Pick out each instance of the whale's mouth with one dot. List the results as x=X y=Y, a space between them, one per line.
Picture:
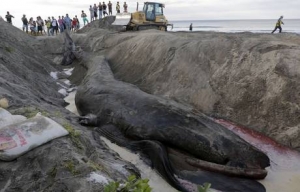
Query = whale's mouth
x=182 y=161
x=228 y=170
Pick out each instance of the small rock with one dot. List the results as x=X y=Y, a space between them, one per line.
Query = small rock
x=4 y=103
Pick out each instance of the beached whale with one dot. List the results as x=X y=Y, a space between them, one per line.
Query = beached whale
x=133 y=118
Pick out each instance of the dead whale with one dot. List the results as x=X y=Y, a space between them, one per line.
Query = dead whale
x=151 y=124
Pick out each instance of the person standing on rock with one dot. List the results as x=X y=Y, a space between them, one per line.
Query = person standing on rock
x=278 y=25
x=61 y=24
x=54 y=26
x=40 y=24
x=48 y=25
x=64 y=24
x=32 y=26
x=104 y=9
x=91 y=13
x=78 y=23
x=25 y=23
x=95 y=11
x=74 y=25
x=118 y=7
x=68 y=22
x=84 y=18
x=8 y=17
x=109 y=8
x=125 y=7
x=100 y=8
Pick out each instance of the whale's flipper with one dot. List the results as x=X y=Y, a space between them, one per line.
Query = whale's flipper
x=157 y=152
x=88 y=120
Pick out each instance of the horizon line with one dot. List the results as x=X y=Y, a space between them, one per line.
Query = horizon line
x=229 y=19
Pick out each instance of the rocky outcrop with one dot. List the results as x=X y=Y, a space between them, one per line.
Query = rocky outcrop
x=105 y=23
x=69 y=163
x=250 y=79
x=24 y=73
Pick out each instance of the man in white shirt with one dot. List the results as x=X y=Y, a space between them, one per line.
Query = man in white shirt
x=54 y=26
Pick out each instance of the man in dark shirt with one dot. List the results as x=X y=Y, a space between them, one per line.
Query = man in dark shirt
x=104 y=9
x=8 y=17
x=109 y=8
x=25 y=23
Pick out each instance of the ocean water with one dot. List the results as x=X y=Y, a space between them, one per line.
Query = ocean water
x=234 y=26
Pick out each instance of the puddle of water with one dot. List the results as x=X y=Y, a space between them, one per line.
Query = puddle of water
x=157 y=183
x=71 y=100
x=284 y=172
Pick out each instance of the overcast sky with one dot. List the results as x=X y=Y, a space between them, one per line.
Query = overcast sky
x=174 y=9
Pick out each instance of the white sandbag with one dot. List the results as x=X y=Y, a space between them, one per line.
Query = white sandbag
x=19 y=138
x=6 y=118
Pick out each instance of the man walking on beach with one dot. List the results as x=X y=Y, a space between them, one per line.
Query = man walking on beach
x=25 y=23
x=191 y=27
x=278 y=25
x=8 y=17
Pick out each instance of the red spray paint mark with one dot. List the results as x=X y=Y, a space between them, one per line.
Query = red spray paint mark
x=281 y=157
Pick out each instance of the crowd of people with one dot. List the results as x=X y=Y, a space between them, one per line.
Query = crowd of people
x=100 y=10
x=53 y=26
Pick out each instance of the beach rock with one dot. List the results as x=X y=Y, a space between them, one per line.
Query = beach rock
x=105 y=23
x=24 y=73
x=250 y=79
x=4 y=103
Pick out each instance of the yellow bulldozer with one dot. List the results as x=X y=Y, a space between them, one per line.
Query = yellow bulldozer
x=152 y=17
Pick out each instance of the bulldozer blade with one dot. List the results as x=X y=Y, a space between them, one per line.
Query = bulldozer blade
x=122 y=19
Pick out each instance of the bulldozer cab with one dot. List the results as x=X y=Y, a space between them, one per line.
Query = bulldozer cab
x=152 y=10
